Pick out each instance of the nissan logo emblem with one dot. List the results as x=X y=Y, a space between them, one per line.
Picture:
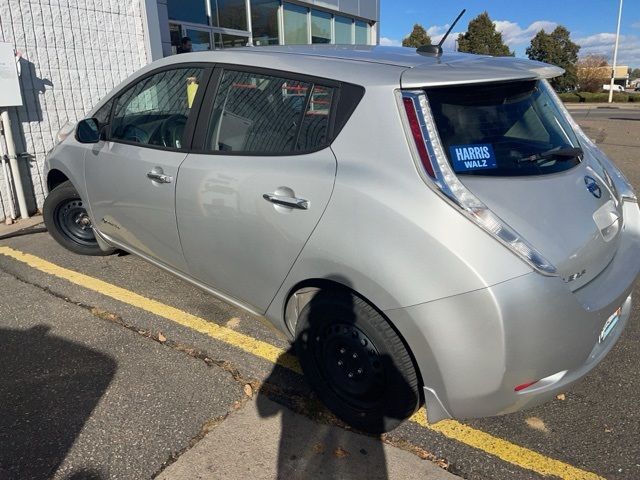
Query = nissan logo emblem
x=593 y=186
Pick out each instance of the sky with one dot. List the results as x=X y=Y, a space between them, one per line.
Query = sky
x=592 y=23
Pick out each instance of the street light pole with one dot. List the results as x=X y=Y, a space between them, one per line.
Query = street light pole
x=615 y=54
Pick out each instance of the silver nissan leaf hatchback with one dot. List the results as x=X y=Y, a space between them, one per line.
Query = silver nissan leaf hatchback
x=425 y=228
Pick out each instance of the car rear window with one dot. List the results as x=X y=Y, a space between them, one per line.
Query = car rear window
x=503 y=129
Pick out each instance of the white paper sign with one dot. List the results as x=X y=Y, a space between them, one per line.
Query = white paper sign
x=9 y=84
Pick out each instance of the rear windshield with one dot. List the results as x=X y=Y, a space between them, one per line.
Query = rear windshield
x=503 y=129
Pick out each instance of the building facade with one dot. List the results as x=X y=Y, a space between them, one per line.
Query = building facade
x=73 y=52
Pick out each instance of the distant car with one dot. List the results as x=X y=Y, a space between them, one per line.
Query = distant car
x=637 y=89
x=616 y=88
x=426 y=229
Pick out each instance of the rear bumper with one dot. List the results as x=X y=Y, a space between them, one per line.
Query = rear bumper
x=474 y=349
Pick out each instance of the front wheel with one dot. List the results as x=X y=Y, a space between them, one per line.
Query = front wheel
x=356 y=362
x=68 y=222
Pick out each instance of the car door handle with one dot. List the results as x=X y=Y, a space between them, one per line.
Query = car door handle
x=158 y=176
x=292 y=202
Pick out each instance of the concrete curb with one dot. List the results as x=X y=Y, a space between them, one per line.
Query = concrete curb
x=265 y=441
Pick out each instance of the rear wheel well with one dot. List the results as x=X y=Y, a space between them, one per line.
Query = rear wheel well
x=304 y=291
x=55 y=178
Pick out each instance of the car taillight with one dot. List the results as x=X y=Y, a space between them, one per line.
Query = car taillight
x=439 y=175
x=416 y=132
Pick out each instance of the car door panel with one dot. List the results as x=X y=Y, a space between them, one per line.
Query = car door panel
x=130 y=207
x=246 y=207
x=233 y=238
x=131 y=177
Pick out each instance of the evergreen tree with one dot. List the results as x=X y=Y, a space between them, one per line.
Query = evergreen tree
x=557 y=49
x=482 y=38
x=417 y=38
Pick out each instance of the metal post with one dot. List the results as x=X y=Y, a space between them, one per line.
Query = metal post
x=249 y=25
x=615 y=54
x=13 y=161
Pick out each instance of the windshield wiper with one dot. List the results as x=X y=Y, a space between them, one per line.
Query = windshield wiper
x=560 y=153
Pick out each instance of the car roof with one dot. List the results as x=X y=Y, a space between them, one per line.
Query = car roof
x=367 y=65
x=356 y=61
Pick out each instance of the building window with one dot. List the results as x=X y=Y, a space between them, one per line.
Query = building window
x=320 y=27
x=200 y=39
x=225 y=40
x=362 y=33
x=344 y=30
x=194 y=11
x=296 y=24
x=264 y=22
x=232 y=14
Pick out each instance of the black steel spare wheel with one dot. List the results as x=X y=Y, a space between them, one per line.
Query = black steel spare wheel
x=356 y=362
x=68 y=222
x=73 y=220
x=351 y=364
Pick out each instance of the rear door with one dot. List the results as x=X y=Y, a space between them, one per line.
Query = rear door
x=131 y=177
x=512 y=147
x=249 y=200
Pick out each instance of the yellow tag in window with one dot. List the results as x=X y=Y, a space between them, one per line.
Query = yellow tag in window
x=192 y=89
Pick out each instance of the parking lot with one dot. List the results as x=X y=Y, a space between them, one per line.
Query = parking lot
x=112 y=368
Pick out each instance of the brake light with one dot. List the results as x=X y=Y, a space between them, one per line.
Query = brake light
x=418 y=138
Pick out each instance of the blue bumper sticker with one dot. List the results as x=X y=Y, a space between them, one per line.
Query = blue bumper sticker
x=472 y=157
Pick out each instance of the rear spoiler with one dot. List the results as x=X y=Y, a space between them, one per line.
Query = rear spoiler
x=461 y=69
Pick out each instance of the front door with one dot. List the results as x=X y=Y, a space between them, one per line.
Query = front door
x=131 y=177
x=247 y=205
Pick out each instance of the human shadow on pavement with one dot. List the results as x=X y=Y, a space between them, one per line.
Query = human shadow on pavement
x=321 y=449
x=48 y=388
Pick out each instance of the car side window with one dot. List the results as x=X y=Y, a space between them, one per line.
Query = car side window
x=265 y=114
x=155 y=110
x=103 y=114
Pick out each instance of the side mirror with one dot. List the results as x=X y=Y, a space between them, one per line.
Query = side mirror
x=88 y=131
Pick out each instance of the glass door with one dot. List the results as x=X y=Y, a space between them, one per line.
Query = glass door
x=200 y=38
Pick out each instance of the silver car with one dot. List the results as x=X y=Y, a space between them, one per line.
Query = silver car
x=426 y=228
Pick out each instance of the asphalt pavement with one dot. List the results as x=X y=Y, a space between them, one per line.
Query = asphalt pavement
x=112 y=368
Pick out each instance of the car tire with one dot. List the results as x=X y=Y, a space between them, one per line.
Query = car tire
x=356 y=362
x=68 y=222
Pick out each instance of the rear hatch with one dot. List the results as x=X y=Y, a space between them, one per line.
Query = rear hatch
x=512 y=147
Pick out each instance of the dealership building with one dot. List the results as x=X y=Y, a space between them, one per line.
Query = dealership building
x=70 y=53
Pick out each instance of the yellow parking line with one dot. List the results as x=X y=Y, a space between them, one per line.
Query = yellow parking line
x=498 y=447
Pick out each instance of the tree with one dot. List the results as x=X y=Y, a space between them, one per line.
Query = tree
x=633 y=74
x=417 y=38
x=557 y=49
x=592 y=73
x=482 y=38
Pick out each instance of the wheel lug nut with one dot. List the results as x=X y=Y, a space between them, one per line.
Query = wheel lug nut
x=340 y=363
x=350 y=375
x=343 y=350
x=355 y=355
x=359 y=371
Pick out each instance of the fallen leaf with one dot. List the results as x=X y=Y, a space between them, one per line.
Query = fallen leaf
x=561 y=396
x=341 y=452
x=608 y=430
x=248 y=390
x=318 y=448
x=537 y=424
x=233 y=322
x=161 y=337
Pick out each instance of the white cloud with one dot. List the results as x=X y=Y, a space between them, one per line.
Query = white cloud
x=603 y=43
x=437 y=31
x=390 y=42
x=514 y=35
